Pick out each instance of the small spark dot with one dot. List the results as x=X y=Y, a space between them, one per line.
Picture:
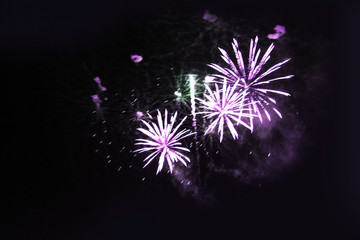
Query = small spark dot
x=119 y=168
x=108 y=156
x=177 y=93
x=105 y=131
x=130 y=166
x=142 y=179
x=104 y=122
x=97 y=150
x=94 y=135
x=269 y=154
x=101 y=142
x=109 y=143
x=105 y=98
x=250 y=152
x=217 y=152
x=109 y=161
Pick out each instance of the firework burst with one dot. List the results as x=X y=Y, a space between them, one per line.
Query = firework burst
x=226 y=106
x=249 y=79
x=164 y=141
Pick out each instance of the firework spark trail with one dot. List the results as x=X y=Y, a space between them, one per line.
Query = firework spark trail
x=100 y=87
x=227 y=106
x=192 y=95
x=248 y=79
x=164 y=141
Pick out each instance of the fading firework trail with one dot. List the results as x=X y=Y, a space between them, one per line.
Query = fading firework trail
x=249 y=79
x=164 y=141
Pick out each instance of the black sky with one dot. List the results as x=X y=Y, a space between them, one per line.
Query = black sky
x=52 y=191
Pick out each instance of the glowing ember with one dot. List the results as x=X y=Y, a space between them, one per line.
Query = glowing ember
x=280 y=30
x=209 y=17
x=136 y=58
x=249 y=78
x=98 y=81
x=164 y=141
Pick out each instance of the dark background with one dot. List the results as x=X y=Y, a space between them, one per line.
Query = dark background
x=54 y=189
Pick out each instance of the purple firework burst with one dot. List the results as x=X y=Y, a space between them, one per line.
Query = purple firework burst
x=250 y=81
x=164 y=141
x=226 y=106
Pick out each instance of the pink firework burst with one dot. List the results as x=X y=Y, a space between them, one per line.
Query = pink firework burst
x=226 y=106
x=164 y=141
x=250 y=80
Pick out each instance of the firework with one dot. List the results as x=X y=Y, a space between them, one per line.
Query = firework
x=226 y=106
x=249 y=79
x=164 y=141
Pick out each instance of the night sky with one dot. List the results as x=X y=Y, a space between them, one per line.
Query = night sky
x=57 y=186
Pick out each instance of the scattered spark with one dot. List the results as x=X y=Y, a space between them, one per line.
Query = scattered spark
x=96 y=100
x=177 y=93
x=136 y=58
x=209 y=17
x=139 y=114
x=280 y=30
x=164 y=141
x=250 y=80
x=98 y=81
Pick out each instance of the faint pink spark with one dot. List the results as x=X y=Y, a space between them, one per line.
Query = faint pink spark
x=96 y=100
x=136 y=58
x=280 y=30
x=98 y=81
x=226 y=106
x=250 y=79
x=139 y=114
x=209 y=17
x=164 y=141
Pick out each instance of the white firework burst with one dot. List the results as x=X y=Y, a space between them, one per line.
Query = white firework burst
x=226 y=106
x=164 y=141
x=249 y=79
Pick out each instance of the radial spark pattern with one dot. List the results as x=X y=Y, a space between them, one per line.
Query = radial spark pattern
x=250 y=80
x=226 y=106
x=164 y=141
